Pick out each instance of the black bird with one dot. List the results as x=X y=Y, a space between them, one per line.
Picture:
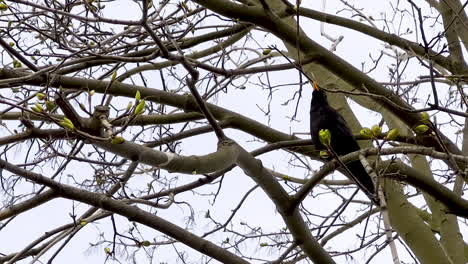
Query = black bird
x=323 y=116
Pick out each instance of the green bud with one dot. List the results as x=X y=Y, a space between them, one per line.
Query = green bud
x=424 y=116
x=40 y=96
x=266 y=51
x=263 y=244
x=65 y=119
x=146 y=243
x=92 y=92
x=114 y=76
x=325 y=137
x=376 y=130
x=366 y=133
x=3 y=7
x=324 y=154
x=17 y=64
x=83 y=223
x=137 y=96
x=392 y=134
x=140 y=108
x=39 y=106
x=421 y=129
x=35 y=109
x=49 y=105
x=67 y=123
x=107 y=250
x=117 y=140
x=12 y=44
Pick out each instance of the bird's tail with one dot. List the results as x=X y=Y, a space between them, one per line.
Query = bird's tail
x=363 y=180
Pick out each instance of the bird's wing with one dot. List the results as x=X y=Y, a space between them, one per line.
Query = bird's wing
x=342 y=137
x=341 y=125
x=328 y=118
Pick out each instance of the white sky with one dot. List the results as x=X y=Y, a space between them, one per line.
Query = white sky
x=259 y=210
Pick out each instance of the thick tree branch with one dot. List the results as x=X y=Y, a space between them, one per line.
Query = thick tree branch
x=332 y=62
x=293 y=219
x=221 y=159
x=456 y=204
x=31 y=203
x=391 y=39
x=131 y=212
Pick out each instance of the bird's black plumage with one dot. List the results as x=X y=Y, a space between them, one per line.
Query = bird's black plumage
x=323 y=116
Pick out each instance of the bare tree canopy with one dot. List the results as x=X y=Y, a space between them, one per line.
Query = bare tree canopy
x=178 y=131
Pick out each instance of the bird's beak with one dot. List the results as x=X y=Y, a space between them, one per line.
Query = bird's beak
x=315 y=86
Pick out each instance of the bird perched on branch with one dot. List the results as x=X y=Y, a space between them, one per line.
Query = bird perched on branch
x=322 y=117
